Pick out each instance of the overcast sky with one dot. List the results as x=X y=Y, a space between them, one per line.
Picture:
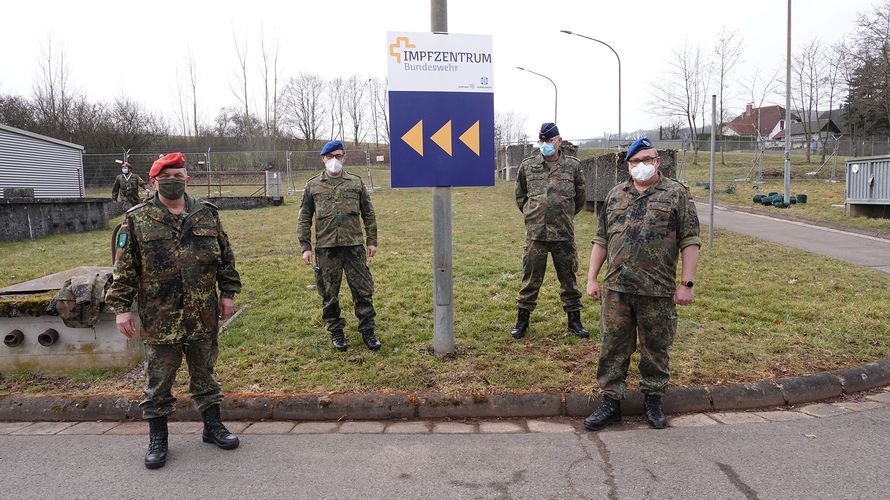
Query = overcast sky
x=134 y=48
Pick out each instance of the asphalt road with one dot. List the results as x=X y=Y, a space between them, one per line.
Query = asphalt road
x=841 y=456
x=855 y=248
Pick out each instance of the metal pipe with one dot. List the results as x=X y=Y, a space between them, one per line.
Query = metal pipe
x=788 y=112
x=567 y=32
x=14 y=338
x=48 y=337
x=555 y=91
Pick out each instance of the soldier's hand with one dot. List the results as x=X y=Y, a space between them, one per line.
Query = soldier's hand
x=372 y=250
x=593 y=289
x=226 y=308
x=307 y=257
x=126 y=323
x=683 y=296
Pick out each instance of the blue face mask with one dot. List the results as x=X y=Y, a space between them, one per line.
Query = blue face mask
x=547 y=149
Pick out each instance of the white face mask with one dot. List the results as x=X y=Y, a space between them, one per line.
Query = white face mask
x=642 y=172
x=125 y=171
x=333 y=166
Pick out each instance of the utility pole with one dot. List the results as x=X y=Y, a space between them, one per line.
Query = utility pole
x=788 y=112
x=711 y=180
x=443 y=293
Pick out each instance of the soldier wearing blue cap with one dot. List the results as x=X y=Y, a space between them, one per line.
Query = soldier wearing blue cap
x=341 y=207
x=645 y=225
x=549 y=193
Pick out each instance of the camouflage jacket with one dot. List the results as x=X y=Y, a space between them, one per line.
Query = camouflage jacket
x=643 y=234
x=549 y=196
x=128 y=189
x=172 y=266
x=336 y=204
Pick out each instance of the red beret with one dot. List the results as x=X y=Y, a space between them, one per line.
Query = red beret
x=175 y=160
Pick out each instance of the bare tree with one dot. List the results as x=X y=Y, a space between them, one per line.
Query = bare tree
x=833 y=83
x=727 y=52
x=193 y=84
x=53 y=100
x=354 y=102
x=241 y=94
x=806 y=82
x=270 y=90
x=868 y=71
x=182 y=115
x=509 y=128
x=381 y=108
x=684 y=90
x=336 y=106
x=302 y=106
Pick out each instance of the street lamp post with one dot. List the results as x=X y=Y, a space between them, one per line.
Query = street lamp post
x=567 y=32
x=555 y=91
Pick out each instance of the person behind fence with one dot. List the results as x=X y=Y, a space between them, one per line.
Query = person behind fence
x=173 y=255
x=549 y=193
x=128 y=186
x=645 y=224
x=341 y=206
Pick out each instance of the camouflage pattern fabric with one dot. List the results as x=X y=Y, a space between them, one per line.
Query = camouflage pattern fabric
x=172 y=266
x=625 y=316
x=550 y=194
x=128 y=189
x=332 y=264
x=161 y=364
x=336 y=203
x=643 y=234
x=79 y=302
x=534 y=264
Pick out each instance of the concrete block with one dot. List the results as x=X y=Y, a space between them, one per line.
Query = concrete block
x=61 y=408
x=815 y=387
x=695 y=420
x=489 y=406
x=881 y=397
x=581 y=405
x=549 y=426
x=277 y=427
x=745 y=396
x=129 y=429
x=823 y=410
x=342 y=406
x=185 y=427
x=453 y=428
x=859 y=405
x=783 y=416
x=10 y=427
x=737 y=418
x=42 y=429
x=500 y=428
x=416 y=427
x=236 y=427
x=90 y=428
x=686 y=400
x=249 y=408
x=864 y=377
x=315 y=428
x=362 y=427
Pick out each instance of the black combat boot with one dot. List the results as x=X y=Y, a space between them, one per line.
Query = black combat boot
x=608 y=413
x=157 y=443
x=575 y=326
x=521 y=327
x=339 y=340
x=215 y=432
x=371 y=340
x=654 y=415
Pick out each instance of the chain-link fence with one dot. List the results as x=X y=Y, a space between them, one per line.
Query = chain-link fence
x=100 y=169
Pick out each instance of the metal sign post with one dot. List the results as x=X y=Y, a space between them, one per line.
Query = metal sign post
x=442 y=123
x=711 y=181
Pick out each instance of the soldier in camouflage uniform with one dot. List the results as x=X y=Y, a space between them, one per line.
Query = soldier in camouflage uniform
x=172 y=256
x=645 y=224
x=549 y=193
x=127 y=186
x=337 y=199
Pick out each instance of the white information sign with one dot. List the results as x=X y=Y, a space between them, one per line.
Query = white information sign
x=430 y=62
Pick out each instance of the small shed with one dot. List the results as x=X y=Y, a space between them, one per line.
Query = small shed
x=51 y=167
x=867 y=192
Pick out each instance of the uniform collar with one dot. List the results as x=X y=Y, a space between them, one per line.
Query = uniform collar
x=326 y=178
x=539 y=158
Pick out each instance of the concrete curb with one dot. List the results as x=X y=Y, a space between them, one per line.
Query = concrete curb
x=406 y=405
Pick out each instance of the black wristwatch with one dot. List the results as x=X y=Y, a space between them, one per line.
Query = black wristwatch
x=687 y=284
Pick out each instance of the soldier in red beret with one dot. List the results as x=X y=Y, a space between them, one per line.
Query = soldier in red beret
x=175 y=261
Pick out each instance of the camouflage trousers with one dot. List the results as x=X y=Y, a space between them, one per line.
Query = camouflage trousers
x=624 y=317
x=332 y=263
x=534 y=264
x=161 y=364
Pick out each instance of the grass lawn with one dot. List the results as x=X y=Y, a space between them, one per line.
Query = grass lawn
x=762 y=310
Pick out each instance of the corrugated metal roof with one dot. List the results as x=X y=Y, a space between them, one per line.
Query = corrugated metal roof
x=38 y=136
x=53 y=168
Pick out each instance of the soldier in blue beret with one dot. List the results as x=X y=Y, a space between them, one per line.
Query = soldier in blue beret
x=646 y=223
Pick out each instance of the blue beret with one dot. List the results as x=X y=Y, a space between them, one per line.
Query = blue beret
x=638 y=145
x=548 y=131
x=332 y=146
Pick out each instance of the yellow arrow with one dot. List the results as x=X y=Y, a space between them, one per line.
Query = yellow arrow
x=414 y=137
x=442 y=137
x=471 y=137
